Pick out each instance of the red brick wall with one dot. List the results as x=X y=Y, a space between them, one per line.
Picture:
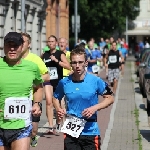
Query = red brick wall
x=63 y=23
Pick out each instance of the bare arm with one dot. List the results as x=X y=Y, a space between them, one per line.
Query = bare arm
x=56 y=104
x=108 y=100
x=92 y=61
x=64 y=62
x=60 y=112
x=122 y=59
x=46 y=77
x=99 y=59
x=38 y=93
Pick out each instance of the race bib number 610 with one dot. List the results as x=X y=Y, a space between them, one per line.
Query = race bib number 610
x=73 y=126
x=17 y=108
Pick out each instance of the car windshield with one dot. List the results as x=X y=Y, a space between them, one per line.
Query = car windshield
x=149 y=60
x=144 y=53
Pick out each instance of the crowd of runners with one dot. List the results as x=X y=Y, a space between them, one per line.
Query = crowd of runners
x=71 y=83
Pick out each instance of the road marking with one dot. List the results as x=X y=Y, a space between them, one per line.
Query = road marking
x=111 y=121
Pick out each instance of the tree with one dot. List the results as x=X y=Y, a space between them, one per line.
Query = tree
x=103 y=17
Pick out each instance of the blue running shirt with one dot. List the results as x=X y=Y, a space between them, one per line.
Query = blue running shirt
x=94 y=55
x=123 y=51
x=81 y=95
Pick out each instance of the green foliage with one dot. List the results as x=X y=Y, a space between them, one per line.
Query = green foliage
x=102 y=17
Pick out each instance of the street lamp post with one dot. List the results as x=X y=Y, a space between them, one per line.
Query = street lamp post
x=22 y=15
x=75 y=20
x=126 y=29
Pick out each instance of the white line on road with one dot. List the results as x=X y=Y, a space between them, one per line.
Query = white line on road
x=111 y=121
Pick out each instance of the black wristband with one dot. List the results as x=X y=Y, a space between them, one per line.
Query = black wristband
x=39 y=103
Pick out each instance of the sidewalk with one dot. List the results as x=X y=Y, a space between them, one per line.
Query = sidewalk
x=122 y=130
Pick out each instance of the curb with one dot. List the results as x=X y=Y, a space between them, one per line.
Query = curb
x=144 y=128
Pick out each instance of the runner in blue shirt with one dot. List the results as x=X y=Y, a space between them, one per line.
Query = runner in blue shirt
x=81 y=90
x=102 y=44
x=124 y=52
x=92 y=61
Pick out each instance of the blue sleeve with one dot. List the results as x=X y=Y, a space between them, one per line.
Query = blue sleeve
x=59 y=92
x=101 y=86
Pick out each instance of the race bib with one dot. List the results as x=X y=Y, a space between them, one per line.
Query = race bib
x=17 y=108
x=95 y=68
x=112 y=59
x=73 y=126
x=53 y=73
x=85 y=68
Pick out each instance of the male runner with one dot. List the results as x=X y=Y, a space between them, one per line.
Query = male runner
x=62 y=46
x=80 y=129
x=55 y=61
x=16 y=80
x=113 y=66
x=125 y=55
x=95 y=56
x=27 y=55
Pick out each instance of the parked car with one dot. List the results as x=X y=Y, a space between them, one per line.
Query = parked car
x=143 y=66
x=141 y=58
x=147 y=84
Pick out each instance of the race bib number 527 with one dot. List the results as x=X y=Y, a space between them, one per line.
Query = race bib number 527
x=73 y=126
x=17 y=108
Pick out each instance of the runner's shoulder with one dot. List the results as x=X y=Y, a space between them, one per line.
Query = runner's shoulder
x=33 y=57
x=29 y=64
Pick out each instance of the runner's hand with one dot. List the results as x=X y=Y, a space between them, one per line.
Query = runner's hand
x=60 y=113
x=71 y=72
x=36 y=111
x=88 y=112
x=53 y=58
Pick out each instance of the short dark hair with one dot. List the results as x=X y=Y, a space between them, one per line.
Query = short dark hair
x=26 y=35
x=53 y=36
x=78 y=50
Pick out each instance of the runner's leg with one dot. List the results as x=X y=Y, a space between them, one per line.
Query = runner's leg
x=49 y=104
x=21 y=144
x=122 y=69
x=22 y=141
x=115 y=83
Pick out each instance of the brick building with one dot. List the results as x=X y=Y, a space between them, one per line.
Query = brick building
x=57 y=18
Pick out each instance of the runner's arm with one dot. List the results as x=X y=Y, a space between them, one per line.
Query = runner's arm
x=106 y=58
x=107 y=100
x=38 y=93
x=46 y=77
x=92 y=61
x=38 y=86
x=64 y=62
x=122 y=59
x=99 y=56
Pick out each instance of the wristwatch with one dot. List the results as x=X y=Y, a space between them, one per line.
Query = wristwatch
x=40 y=104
